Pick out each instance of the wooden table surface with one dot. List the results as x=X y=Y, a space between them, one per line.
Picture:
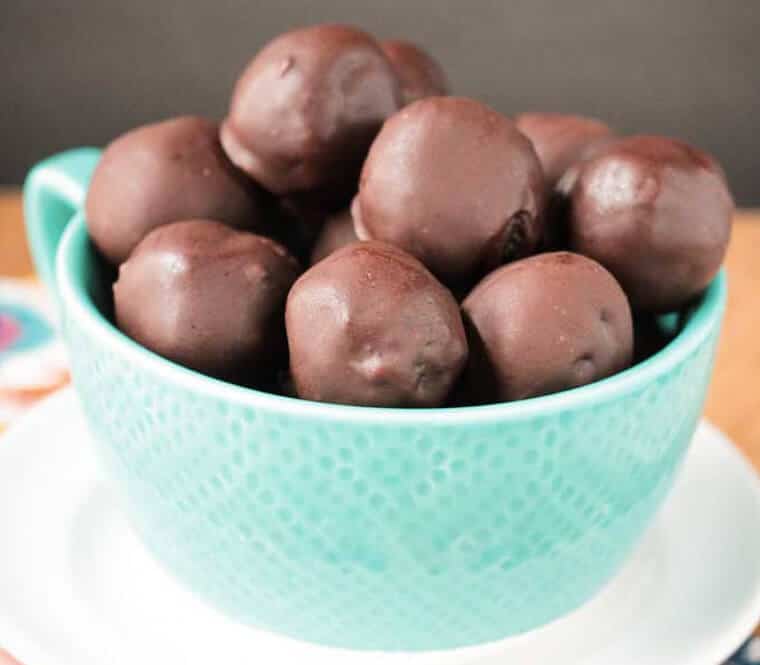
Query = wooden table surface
x=734 y=400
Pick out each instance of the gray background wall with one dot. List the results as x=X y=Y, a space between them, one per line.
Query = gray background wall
x=80 y=71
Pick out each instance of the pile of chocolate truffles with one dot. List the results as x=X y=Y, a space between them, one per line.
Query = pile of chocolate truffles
x=351 y=233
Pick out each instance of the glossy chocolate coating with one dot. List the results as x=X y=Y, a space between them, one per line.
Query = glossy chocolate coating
x=337 y=232
x=369 y=325
x=306 y=109
x=544 y=324
x=657 y=214
x=453 y=182
x=560 y=140
x=418 y=72
x=163 y=173
x=556 y=221
x=208 y=297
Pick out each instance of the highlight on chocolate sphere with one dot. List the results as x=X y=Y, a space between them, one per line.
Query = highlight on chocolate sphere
x=657 y=214
x=370 y=325
x=208 y=297
x=161 y=173
x=543 y=324
x=306 y=109
x=455 y=183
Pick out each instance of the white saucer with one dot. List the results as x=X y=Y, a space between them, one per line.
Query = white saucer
x=77 y=587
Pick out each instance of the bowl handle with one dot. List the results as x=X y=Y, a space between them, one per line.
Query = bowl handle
x=54 y=191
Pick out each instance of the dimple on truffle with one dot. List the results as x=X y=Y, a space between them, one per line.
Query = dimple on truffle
x=369 y=325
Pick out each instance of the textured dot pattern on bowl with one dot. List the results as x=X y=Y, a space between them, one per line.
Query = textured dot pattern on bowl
x=382 y=535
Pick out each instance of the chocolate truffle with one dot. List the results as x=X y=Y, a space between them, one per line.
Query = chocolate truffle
x=656 y=213
x=369 y=325
x=418 y=72
x=208 y=297
x=544 y=324
x=556 y=224
x=337 y=232
x=306 y=109
x=455 y=183
x=163 y=173
x=560 y=140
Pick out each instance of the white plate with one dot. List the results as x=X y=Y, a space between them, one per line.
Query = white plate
x=77 y=587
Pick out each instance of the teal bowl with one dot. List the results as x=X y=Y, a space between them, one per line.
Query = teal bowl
x=361 y=527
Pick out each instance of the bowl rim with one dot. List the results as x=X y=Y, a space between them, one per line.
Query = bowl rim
x=75 y=246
